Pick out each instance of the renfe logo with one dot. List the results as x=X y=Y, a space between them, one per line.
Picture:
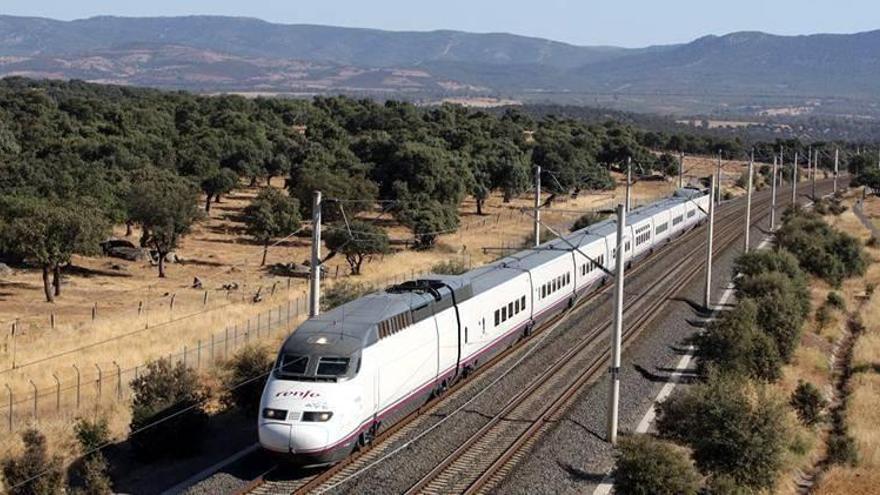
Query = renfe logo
x=298 y=394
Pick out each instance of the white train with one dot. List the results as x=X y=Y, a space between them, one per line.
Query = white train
x=345 y=375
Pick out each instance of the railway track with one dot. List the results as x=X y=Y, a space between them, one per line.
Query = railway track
x=497 y=446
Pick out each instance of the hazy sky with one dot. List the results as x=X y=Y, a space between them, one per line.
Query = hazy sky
x=586 y=22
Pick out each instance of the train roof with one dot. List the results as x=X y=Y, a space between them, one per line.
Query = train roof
x=358 y=323
x=363 y=321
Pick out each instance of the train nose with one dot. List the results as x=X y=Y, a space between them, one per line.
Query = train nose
x=305 y=438
x=275 y=436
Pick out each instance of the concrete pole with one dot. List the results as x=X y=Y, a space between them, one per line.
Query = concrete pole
x=809 y=161
x=707 y=296
x=794 y=180
x=836 y=167
x=773 y=195
x=315 y=288
x=749 y=201
x=815 y=171
x=537 y=206
x=629 y=181
x=617 y=331
x=718 y=200
x=681 y=170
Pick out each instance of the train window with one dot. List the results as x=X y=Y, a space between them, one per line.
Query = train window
x=516 y=307
x=510 y=309
x=522 y=302
x=692 y=213
x=332 y=366
x=504 y=314
x=677 y=220
x=497 y=317
x=661 y=228
x=465 y=335
x=627 y=245
x=291 y=365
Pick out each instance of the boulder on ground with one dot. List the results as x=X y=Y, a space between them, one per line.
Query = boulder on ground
x=109 y=244
x=5 y=271
x=127 y=253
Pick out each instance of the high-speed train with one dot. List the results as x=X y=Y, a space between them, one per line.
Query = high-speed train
x=343 y=376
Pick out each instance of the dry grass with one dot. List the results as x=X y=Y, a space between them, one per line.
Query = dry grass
x=863 y=407
x=812 y=363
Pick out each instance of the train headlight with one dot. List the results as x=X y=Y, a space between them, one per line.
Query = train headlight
x=315 y=416
x=278 y=414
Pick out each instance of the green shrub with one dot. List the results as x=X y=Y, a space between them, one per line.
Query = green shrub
x=723 y=484
x=836 y=301
x=735 y=343
x=733 y=429
x=92 y=435
x=244 y=376
x=836 y=207
x=166 y=413
x=455 y=266
x=823 y=316
x=88 y=475
x=586 y=220
x=646 y=465
x=842 y=450
x=34 y=472
x=820 y=249
x=91 y=476
x=780 y=309
x=342 y=292
x=808 y=403
x=762 y=261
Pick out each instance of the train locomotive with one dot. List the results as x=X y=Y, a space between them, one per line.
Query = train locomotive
x=345 y=375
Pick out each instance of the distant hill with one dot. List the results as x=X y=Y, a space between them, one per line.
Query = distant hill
x=739 y=73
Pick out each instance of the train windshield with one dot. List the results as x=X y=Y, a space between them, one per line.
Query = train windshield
x=290 y=366
x=332 y=367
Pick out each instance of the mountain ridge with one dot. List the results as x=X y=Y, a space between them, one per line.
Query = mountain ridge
x=741 y=72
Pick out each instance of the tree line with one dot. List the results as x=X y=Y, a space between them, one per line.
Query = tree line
x=79 y=158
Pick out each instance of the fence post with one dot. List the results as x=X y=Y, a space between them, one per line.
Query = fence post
x=57 y=392
x=75 y=367
x=9 y=390
x=98 y=383
x=36 y=394
x=140 y=307
x=205 y=300
x=94 y=311
x=118 y=381
x=52 y=320
x=171 y=304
